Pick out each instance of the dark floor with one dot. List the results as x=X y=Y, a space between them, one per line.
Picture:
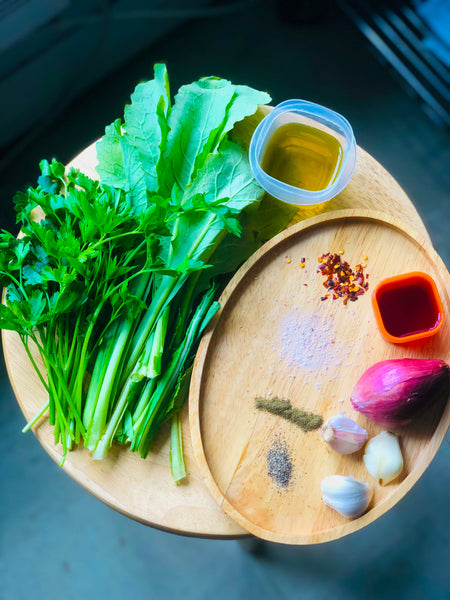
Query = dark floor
x=57 y=541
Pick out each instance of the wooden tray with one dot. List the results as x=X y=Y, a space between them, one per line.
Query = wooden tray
x=144 y=489
x=275 y=336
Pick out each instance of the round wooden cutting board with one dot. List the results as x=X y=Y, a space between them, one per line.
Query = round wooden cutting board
x=144 y=489
x=275 y=337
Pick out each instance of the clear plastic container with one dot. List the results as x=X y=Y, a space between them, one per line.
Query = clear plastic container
x=314 y=115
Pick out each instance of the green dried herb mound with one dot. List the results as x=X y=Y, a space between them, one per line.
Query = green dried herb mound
x=117 y=281
x=307 y=421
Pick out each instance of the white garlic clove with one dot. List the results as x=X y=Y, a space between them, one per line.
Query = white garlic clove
x=343 y=434
x=383 y=457
x=347 y=495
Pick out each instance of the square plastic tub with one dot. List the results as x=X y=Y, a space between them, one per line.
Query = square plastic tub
x=408 y=307
x=317 y=117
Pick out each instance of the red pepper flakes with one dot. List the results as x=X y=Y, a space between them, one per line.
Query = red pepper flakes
x=341 y=280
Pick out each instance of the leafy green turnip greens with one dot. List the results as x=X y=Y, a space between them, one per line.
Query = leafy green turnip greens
x=119 y=280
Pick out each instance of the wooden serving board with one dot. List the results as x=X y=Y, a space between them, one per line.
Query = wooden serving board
x=275 y=337
x=143 y=489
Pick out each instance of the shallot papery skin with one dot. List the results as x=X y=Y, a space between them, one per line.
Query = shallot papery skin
x=393 y=392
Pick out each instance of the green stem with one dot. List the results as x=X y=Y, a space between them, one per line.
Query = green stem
x=165 y=292
x=105 y=442
x=169 y=379
x=56 y=431
x=139 y=411
x=177 y=465
x=107 y=370
x=60 y=415
x=79 y=367
x=55 y=370
x=73 y=345
x=99 y=417
x=33 y=362
x=149 y=364
x=100 y=365
x=36 y=417
x=186 y=305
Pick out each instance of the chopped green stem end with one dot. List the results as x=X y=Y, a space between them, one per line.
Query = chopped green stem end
x=36 y=417
x=177 y=464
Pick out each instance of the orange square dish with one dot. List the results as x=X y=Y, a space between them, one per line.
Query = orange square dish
x=408 y=307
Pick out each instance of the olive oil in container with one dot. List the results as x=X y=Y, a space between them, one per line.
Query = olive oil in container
x=302 y=153
x=303 y=156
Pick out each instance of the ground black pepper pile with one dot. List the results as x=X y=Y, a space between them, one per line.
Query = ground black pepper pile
x=279 y=463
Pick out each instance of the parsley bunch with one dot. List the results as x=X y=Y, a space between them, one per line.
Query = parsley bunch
x=76 y=269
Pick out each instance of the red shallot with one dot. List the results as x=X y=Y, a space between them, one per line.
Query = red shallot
x=393 y=392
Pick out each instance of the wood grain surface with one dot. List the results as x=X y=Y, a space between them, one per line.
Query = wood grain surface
x=143 y=489
x=275 y=337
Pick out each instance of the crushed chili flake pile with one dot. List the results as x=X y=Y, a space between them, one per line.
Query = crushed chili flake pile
x=341 y=280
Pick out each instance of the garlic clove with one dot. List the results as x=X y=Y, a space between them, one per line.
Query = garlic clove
x=346 y=494
x=343 y=434
x=394 y=392
x=383 y=457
